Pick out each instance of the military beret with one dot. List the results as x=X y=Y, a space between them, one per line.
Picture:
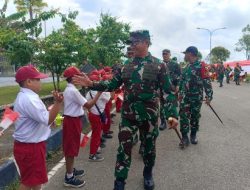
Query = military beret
x=138 y=35
x=166 y=51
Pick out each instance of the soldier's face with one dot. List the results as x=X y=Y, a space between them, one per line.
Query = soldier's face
x=187 y=57
x=139 y=46
x=166 y=56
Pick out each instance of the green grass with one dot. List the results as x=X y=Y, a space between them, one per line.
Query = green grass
x=13 y=186
x=8 y=94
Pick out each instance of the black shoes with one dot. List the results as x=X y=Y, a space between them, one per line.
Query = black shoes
x=148 y=178
x=185 y=141
x=193 y=138
x=163 y=126
x=73 y=182
x=119 y=185
x=107 y=136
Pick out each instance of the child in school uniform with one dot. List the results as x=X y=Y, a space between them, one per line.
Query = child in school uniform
x=106 y=128
x=95 y=120
x=32 y=128
x=72 y=126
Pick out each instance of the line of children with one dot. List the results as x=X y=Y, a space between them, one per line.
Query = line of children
x=32 y=128
x=97 y=124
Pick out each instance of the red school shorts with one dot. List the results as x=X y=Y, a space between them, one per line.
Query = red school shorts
x=72 y=128
x=31 y=160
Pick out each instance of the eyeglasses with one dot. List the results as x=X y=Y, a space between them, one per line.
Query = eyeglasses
x=165 y=53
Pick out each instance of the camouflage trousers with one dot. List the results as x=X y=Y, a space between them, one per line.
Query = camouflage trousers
x=190 y=114
x=148 y=130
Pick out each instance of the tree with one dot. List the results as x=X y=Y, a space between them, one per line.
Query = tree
x=110 y=37
x=219 y=54
x=16 y=42
x=244 y=42
x=61 y=48
x=30 y=6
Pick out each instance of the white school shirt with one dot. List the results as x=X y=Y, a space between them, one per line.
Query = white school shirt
x=101 y=102
x=73 y=101
x=32 y=125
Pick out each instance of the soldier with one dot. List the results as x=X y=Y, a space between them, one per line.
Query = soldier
x=227 y=73
x=143 y=78
x=195 y=77
x=130 y=55
x=237 y=71
x=175 y=73
x=221 y=72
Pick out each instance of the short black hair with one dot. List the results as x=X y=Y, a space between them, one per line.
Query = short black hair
x=69 y=80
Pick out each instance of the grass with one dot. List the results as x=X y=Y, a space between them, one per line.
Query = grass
x=8 y=94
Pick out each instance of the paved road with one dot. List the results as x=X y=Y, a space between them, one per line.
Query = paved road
x=221 y=160
x=10 y=81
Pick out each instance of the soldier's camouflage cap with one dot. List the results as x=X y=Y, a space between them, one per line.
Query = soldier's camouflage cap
x=138 y=35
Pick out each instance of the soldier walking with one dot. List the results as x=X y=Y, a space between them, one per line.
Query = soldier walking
x=237 y=71
x=227 y=73
x=175 y=73
x=143 y=78
x=195 y=78
x=221 y=72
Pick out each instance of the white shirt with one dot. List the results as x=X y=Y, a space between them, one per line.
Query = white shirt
x=101 y=102
x=32 y=125
x=73 y=101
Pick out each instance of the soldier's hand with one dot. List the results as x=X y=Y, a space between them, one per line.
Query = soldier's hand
x=82 y=80
x=172 y=123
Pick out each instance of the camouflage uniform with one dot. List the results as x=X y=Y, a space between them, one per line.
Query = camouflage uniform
x=237 y=71
x=144 y=80
x=220 y=71
x=175 y=73
x=227 y=73
x=194 y=78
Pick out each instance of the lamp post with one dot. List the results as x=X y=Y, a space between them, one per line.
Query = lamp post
x=210 y=35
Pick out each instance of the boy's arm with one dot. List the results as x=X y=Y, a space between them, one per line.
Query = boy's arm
x=92 y=102
x=56 y=107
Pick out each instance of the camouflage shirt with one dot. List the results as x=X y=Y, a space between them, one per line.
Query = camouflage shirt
x=193 y=80
x=174 y=71
x=145 y=81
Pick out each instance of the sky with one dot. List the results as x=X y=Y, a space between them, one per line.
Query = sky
x=172 y=23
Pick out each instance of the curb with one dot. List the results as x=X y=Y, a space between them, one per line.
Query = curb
x=8 y=170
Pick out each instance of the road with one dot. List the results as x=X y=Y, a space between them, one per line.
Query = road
x=221 y=160
x=10 y=81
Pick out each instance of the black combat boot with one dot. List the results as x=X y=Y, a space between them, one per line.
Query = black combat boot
x=185 y=140
x=163 y=124
x=148 y=178
x=119 y=185
x=193 y=138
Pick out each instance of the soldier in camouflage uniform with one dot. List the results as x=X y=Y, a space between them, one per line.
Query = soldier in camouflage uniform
x=175 y=73
x=144 y=79
x=237 y=71
x=195 y=78
x=221 y=72
x=227 y=73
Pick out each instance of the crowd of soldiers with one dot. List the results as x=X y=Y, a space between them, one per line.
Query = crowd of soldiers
x=218 y=73
x=153 y=88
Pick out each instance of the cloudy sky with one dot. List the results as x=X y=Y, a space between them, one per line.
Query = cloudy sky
x=172 y=23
